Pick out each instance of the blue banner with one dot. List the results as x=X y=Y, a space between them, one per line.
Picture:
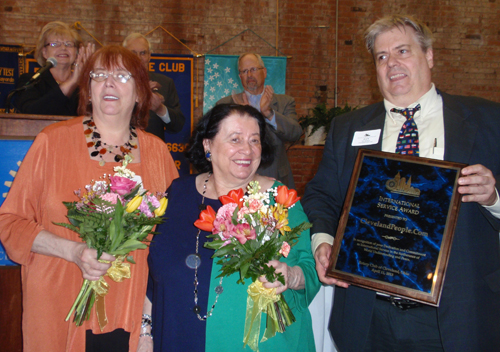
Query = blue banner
x=14 y=152
x=11 y=67
x=180 y=69
x=222 y=78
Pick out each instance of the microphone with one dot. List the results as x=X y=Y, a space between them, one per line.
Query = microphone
x=51 y=62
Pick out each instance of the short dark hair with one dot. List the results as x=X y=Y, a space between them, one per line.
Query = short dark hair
x=208 y=127
x=109 y=56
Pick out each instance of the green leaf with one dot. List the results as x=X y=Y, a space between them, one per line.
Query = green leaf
x=123 y=250
x=116 y=230
x=224 y=250
x=214 y=244
x=243 y=270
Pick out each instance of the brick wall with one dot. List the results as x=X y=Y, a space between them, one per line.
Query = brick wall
x=465 y=52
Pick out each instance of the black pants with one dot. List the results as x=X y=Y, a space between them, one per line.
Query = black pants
x=395 y=330
x=116 y=341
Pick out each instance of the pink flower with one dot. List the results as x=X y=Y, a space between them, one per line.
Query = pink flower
x=285 y=249
x=144 y=208
x=242 y=212
x=244 y=232
x=121 y=185
x=221 y=227
x=255 y=205
x=226 y=211
x=225 y=229
x=155 y=203
x=110 y=197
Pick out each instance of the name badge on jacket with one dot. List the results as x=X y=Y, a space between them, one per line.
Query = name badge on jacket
x=361 y=138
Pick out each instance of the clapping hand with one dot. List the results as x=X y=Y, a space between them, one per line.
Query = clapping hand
x=157 y=99
x=265 y=102
x=84 y=53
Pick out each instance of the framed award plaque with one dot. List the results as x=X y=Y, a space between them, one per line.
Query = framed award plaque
x=397 y=224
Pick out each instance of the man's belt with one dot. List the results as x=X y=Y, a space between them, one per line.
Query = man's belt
x=401 y=303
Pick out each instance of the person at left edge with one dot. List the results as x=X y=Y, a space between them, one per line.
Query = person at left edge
x=56 y=92
x=60 y=161
x=227 y=147
x=165 y=113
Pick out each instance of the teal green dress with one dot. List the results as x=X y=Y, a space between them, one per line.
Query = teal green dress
x=225 y=329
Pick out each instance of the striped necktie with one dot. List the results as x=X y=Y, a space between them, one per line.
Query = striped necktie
x=408 y=136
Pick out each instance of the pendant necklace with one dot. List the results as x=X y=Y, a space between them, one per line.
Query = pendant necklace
x=193 y=261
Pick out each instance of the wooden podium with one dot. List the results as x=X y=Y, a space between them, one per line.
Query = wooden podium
x=28 y=126
x=16 y=126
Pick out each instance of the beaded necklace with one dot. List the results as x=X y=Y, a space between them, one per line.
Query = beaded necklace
x=98 y=149
x=196 y=258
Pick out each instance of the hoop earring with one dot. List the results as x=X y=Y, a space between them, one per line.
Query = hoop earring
x=208 y=155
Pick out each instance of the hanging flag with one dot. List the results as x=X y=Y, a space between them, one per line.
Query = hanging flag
x=11 y=67
x=222 y=78
x=180 y=69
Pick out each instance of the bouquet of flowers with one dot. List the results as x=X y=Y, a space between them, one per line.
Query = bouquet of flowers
x=248 y=232
x=113 y=216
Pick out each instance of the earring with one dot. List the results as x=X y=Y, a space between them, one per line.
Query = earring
x=208 y=155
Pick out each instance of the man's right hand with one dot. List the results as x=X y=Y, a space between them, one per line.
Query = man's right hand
x=157 y=99
x=322 y=257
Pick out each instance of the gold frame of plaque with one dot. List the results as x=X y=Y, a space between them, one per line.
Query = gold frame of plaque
x=397 y=223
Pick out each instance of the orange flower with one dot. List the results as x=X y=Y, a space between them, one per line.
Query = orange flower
x=234 y=196
x=206 y=220
x=287 y=197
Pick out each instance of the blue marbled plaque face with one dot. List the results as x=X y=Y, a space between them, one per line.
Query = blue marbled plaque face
x=396 y=222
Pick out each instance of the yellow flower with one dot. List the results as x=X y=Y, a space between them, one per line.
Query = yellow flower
x=281 y=215
x=133 y=204
x=163 y=206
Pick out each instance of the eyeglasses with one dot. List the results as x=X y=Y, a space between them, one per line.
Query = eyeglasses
x=58 y=44
x=120 y=76
x=251 y=70
x=141 y=53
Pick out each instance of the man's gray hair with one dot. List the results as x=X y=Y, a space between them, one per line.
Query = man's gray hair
x=422 y=32
x=133 y=36
x=259 y=58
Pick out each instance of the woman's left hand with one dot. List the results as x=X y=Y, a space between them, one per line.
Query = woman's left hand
x=294 y=277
